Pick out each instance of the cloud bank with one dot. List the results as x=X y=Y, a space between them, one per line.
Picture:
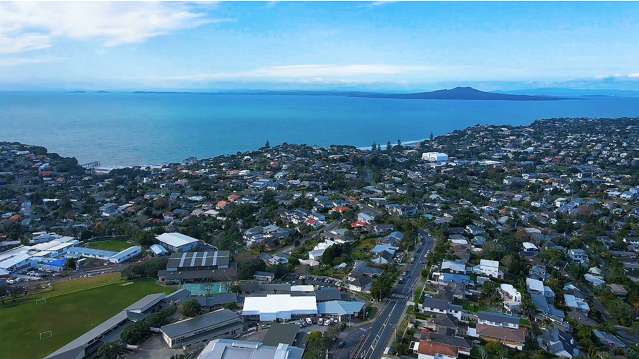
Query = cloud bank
x=306 y=72
x=27 y=26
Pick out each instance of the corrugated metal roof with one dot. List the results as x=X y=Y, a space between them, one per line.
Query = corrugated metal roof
x=211 y=320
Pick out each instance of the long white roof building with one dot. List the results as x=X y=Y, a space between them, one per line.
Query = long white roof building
x=279 y=306
x=176 y=241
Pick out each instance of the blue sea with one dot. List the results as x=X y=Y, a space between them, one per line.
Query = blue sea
x=121 y=129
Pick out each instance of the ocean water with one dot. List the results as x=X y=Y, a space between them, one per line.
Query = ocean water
x=120 y=129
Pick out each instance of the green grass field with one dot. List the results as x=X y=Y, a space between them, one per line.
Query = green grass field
x=110 y=245
x=72 y=308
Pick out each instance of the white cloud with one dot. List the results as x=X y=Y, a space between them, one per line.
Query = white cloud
x=16 y=61
x=382 y=2
x=634 y=76
x=25 y=42
x=26 y=26
x=310 y=72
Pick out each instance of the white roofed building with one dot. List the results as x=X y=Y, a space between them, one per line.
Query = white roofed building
x=229 y=348
x=437 y=157
x=178 y=242
x=535 y=285
x=530 y=248
x=510 y=295
x=272 y=307
x=158 y=250
x=488 y=268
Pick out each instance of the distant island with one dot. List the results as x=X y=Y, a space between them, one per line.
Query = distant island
x=462 y=93
x=457 y=93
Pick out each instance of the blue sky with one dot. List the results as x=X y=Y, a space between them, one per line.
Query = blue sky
x=394 y=45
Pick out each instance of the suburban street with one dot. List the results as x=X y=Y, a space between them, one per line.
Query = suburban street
x=378 y=336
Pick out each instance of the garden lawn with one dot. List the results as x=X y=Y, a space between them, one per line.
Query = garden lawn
x=110 y=245
x=67 y=315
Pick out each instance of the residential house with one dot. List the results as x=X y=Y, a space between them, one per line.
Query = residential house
x=488 y=268
x=558 y=343
x=511 y=297
x=501 y=328
x=453 y=267
x=576 y=303
x=578 y=255
x=441 y=306
x=608 y=339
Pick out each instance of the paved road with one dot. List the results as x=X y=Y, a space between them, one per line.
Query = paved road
x=378 y=337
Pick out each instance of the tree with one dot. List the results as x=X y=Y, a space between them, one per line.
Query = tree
x=494 y=348
x=71 y=264
x=489 y=294
x=144 y=238
x=148 y=269
x=383 y=284
x=316 y=346
x=190 y=308
x=110 y=351
x=479 y=352
x=337 y=253
x=135 y=333
x=246 y=269
x=633 y=352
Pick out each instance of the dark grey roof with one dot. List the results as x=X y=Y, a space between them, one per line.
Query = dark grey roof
x=281 y=334
x=198 y=259
x=147 y=302
x=453 y=340
x=548 y=309
x=258 y=287
x=326 y=294
x=446 y=321
x=498 y=317
x=440 y=304
x=608 y=339
x=265 y=274
x=217 y=299
x=217 y=319
x=556 y=341
x=360 y=267
x=178 y=295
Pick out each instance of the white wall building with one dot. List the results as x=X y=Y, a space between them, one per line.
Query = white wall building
x=437 y=157
x=126 y=254
x=510 y=295
x=178 y=242
x=272 y=307
x=488 y=268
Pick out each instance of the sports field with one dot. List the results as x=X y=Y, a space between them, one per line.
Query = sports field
x=110 y=245
x=72 y=308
